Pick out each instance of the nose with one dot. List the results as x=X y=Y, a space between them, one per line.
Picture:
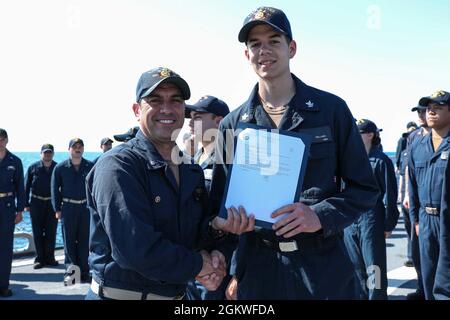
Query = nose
x=264 y=48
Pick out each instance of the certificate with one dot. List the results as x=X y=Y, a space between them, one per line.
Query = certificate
x=267 y=171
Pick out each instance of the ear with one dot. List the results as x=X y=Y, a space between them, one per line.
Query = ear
x=292 y=49
x=247 y=55
x=217 y=120
x=137 y=110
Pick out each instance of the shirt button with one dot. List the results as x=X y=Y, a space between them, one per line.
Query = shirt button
x=157 y=199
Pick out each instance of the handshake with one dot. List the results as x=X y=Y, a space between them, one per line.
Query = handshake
x=213 y=271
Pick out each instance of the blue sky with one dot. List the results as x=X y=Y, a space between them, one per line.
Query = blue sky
x=69 y=67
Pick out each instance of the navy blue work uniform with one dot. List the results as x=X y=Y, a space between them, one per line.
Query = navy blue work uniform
x=410 y=228
x=321 y=267
x=441 y=289
x=69 y=196
x=405 y=212
x=12 y=200
x=196 y=291
x=146 y=229
x=43 y=220
x=365 y=239
x=426 y=175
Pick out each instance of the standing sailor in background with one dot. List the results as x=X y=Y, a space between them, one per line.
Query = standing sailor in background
x=409 y=226
x=69 y=202
x=38 y=203
x=426 y=164
x=365 y=238
x=105 y=145
x=441 y=288
x=205 y=116
x=12 y=201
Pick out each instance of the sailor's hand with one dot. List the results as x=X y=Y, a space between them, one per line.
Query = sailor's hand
x=213 y=270
x=231 y=291
x=18 y=218
x=27 y=209
x=406 y=202
x=237 y=222
x=300 y=218
x=58 y=215
x=387 y=234
x=416 y=228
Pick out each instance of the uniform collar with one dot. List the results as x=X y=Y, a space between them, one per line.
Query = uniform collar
x=8 y=156
x=302 y=101
x=208 y=161
x=155 y=160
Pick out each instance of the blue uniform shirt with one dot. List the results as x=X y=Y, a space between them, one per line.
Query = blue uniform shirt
x=337 y=154
x=426 y=174
x=384 y=174
x=11 y=179
x=38 y=180
x=145 y=229
x=69 y=183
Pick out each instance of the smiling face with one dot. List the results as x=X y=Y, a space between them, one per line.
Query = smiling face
x=269 y=52
x=161 y=113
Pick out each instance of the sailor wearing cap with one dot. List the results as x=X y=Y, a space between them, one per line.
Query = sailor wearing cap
x=304 y=256
x=12 y=201
x=127 y=136
x=441 y=288
x=404 y=178
x=365 y=238
x=105 y=145
x=68 y=194
x=427 y=160
x=38 y=203
x=205 y=116
x=150 y=224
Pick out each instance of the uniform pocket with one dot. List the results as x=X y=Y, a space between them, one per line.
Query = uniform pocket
x=420 y=172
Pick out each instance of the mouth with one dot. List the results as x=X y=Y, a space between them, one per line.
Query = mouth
x=266 y=63
x=165 y=121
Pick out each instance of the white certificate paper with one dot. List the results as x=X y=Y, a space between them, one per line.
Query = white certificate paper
x=267 y=171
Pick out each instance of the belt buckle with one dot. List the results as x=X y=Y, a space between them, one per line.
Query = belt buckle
x=431 y=210
x=288 y=246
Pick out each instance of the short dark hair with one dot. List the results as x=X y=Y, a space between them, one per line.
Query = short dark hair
x=376 y=140
x=3 y=133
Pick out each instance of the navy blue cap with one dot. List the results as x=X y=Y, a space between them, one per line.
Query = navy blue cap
x=418 y=107
x=47 y=147
x=105 y=141
x=367 y=126
x=208 y=104
x=124 y=137
x=266 y=15
x=150 y=80
x=440 y=97
x=75 y=141
x=3 y=133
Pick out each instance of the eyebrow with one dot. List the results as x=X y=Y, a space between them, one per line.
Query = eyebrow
x=177 y=95
x=276 y=35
